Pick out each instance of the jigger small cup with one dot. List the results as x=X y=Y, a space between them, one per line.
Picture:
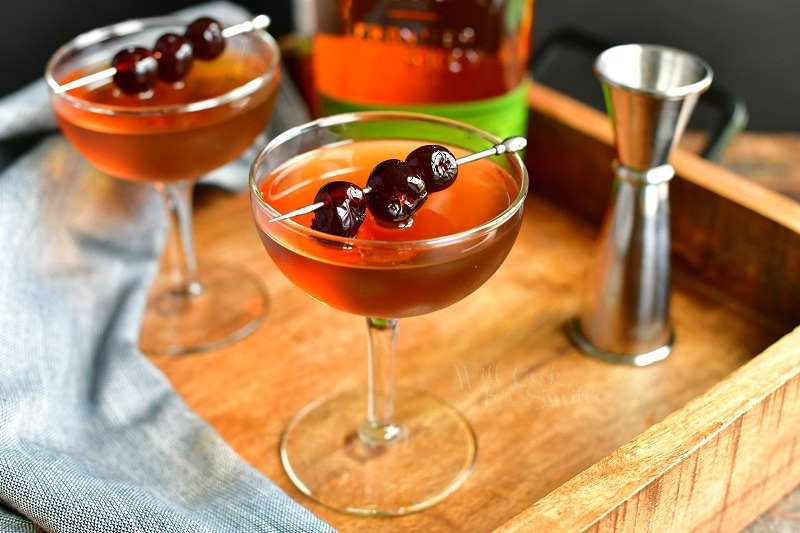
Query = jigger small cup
x=650 y=93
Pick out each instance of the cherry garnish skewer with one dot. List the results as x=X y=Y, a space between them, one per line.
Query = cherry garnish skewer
x=259 y=22
x=509 y=145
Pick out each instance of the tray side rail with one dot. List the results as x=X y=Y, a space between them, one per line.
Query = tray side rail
x=714 y=465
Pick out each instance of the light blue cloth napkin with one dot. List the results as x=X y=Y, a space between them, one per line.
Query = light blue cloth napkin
x=92 y=436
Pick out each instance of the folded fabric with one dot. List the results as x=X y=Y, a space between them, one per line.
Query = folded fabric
x=92 y=436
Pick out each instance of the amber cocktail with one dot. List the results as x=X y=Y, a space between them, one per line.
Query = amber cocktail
x=456 y=241
x=170 y=135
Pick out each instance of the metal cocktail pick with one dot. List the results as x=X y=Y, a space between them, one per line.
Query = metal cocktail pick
x=259 y=22
x=650 y=92
x=512 y=144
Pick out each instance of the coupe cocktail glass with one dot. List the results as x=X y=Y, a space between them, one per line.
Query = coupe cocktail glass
x=381 y=450
x=169 y=137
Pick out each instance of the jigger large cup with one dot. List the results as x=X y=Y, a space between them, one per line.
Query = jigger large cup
x=650 y=92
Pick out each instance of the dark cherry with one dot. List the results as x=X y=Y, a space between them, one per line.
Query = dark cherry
x=174 y=55
x=206 y=36
x=396 y=191
x=435 y=164
x=137 y=69
x=344 y=210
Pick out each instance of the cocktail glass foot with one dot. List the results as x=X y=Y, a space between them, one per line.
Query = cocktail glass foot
x=337 y=459
x=223 y=305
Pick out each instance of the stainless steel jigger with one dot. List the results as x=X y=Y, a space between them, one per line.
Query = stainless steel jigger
x=650 y=92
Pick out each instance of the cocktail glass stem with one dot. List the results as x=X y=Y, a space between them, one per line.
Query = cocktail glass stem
x=379 y=427
x=178 y=198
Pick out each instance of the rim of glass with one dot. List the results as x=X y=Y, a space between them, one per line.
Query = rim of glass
x=680 y=91
x=362 y=116
x=129 y=27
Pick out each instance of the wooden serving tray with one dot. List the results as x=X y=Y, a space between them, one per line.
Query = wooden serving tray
x=706 y=440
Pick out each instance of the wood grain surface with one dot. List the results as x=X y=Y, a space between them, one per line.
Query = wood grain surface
x=565 y=442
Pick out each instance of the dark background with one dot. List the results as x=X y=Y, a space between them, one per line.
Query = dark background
x=753 y=46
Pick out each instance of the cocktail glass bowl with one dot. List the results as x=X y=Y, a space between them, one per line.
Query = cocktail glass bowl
x=170 y=144
x=381 y=450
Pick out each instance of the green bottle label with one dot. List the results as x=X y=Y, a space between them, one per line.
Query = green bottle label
x=505 y=115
